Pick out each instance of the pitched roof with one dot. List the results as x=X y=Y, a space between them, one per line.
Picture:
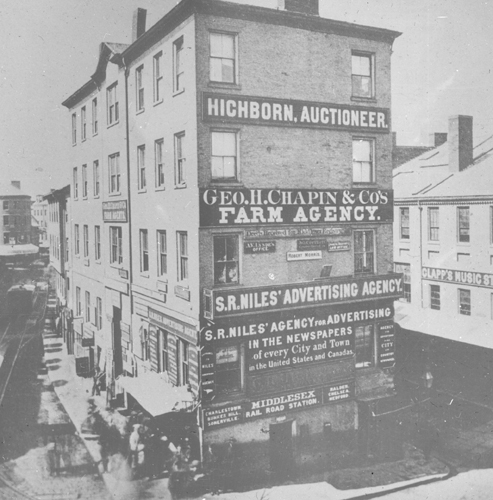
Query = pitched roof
x=428 y=176
x=7 y=189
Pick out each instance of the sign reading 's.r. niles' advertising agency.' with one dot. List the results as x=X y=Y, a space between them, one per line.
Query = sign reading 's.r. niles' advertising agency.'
x=275 y=207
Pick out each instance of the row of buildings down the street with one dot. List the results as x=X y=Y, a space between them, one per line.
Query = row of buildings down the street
x=225 y=247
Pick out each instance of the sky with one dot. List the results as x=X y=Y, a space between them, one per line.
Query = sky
x=441 y=66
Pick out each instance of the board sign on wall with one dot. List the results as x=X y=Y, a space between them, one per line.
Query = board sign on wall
x=253 y=247
x=296 y=232
x=307 y=255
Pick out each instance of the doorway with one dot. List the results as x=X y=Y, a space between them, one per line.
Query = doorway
x=282 y=461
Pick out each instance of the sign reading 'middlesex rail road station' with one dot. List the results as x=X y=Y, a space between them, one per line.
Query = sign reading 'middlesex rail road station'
x=243 y=207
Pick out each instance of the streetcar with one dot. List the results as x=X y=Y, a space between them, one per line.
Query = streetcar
x=20 y=299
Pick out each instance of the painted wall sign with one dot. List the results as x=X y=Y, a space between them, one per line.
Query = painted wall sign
x=339 y=246
x=470 y=278
x=275 y=405
x=296 y=232
x=252 y=247
x=173 y=325
x=307 y=255
x=241 y=207
x=386 y=345
x=115 y=211
x=311 y=244
x=227 y=108
x=230 y=302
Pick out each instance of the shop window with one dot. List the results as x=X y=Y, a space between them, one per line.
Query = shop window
x=365 y=346
x=362 y=75
x=364 y=252
x=464 y=302
x=226 y=262
x=463 y=224
x=163 y=350
x=182 y=362
x=405 y=269
x=404 y=228
x=224 y=157
x=144 y=344
x=363 y=160
x=223 y=58
x=228 y=378
x=433 y=224
x=435 y=297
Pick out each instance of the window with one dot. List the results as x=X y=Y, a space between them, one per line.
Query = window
x=97 y=243
x=141 y=167
x=66 y=249
x=464 y=302
x=98 y=314
x=88 y=307
x=74 y=128
x=144 y=251
x=363 y=160
x=6 y=238
x=405 y=269
x=226 y=266
x=112 y=100
x=365 y=346
x=95 y=116
x=491 y=225
x=363 y=252
x=84 y=181
x=463 y=257
x=77 y=241
x=6 y=220
x=78 y=302
x=224 y=155
x=139 y=85
x=144 y=344
x=463 y=224
x=158 y=77
x=433 y=224
x=5 y=205
x=435 y=297
x=182 y=238
x=182 y=362
x=362 y=75
x=76 y=183
x=178 y=65
x=228 y=377
x=114 y=172
x=179 y=159
x=158 y=157
x=85 y=230
x=163 y=350
x=223 y=58
x=162 y=252
x=95 y=175
x=83 y=123
x=404 y=223
x=116 y=253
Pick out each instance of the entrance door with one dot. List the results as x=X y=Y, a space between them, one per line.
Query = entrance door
x=281 y=449
x=117 y=342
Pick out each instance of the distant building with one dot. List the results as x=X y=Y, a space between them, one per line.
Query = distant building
x=39 y=210
x=403 y=154
x=443 y=243
x=15 y=223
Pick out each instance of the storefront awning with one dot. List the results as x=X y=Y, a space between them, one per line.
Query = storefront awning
x=156 y=395
x=13 y=250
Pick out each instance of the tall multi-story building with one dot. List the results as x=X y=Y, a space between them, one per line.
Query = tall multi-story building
x=39 y=210
x=232 y=212
x=58 y=235
x=443 y=227
x=15 y=223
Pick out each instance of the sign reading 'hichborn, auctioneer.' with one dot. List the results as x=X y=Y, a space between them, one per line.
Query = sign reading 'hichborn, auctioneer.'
x=241 y=207
x=284 y=112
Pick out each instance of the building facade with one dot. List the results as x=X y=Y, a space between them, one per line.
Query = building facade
x=443 y=227
x=39 y=210
x=244 y=207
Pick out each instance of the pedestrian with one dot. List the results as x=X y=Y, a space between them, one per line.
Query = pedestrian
x=136 y=446
x=96 y=386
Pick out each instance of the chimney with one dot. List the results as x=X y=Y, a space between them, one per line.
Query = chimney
x=309 y=7
x=438 y=138
x=16 y=184
x=459 y=142
x=138 y=23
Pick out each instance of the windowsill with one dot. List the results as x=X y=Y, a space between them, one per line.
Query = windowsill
x=74 y=144
x=84 y=197
x=223 y=182
x=159 y=188
x=225 y=85
x=181 y=186
x=162 y=284
x=365 y=370
x=465 y=244
x=94 y=134
x=113 y=124
x=84 y=140
x=155 y=103
x=144 y=274
x=433 y=243
x=86 y=261
x=364 y=184
x=178 y=92
x=77 y=256
x=144 y=190
x=363 y=99
x=404 y=241
x=218 y=286
x=96 y=196
x=98 y=262
x=116 y=193
x=140 y=111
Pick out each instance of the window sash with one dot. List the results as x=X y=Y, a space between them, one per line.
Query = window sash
x=222 y=58
x=83 y=123
x=94 y=116
x=365 y=346
x=144 y=251
x=158 y=77
x=141 y=168
x=158 y=155
x=363 y=252
x=116 y=245
x=113 y=112
x=76 y=183
x=99 y=313
x=84 y=181
x=433 y=224
x=97 y=243
x=224 y=155
x=363 y=160
x=114 y=173
x=88 y=307
x=361 y=75
x=162 y=253
x=86 y=240
x=140 y=88
x=178 y=65
x=163 y=351
x=78 y=301
x=228 y=377
x=182 y=256
x=96 y=177
x=463 y=227
x=435 y=297
x=404 y=223
x=76 y=230
x=465 y=302
x=180 y=159
x=226 y=259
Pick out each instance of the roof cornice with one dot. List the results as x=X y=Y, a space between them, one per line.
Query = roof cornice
x=446 y=200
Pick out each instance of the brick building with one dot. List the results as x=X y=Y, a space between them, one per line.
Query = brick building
x=443 y=228
x=245 y=226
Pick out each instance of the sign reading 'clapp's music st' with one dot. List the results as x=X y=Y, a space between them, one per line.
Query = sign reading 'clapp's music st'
x=241 y=207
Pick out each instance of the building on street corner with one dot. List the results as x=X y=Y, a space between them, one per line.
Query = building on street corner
x=231 y=221
x=443 y=227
